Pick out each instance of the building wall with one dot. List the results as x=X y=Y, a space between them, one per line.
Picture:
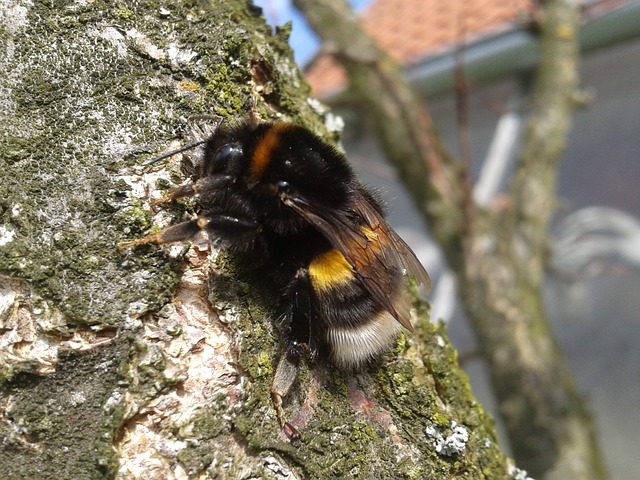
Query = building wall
x=595 y=309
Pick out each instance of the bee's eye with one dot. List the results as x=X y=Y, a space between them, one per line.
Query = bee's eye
x=227 y=154
x=227 y=159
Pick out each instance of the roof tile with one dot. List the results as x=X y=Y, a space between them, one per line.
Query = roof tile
x=410 y=30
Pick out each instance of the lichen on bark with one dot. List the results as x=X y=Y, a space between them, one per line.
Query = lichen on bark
x=159 y=361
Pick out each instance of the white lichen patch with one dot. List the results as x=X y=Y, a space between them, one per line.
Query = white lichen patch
x=145 y=44
x=77 y=398
x=119 y=38
x=517 y=474
x=179 y=56
x=195 y=350
x=114 y=36
x=6 y=235
x=14 y=16
x=449 y=442
x=333 y=123
x=317 y=106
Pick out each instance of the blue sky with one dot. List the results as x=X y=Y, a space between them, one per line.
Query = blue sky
x=303 y=41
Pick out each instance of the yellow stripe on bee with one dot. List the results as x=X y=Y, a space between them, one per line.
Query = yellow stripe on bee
x=330 y=270
x=264 y=151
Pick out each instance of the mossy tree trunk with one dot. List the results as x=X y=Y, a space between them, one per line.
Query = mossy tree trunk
x=157 y=363
x=498 y=255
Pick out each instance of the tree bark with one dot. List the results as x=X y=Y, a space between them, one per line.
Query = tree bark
x=157 y=363
x=498 y=256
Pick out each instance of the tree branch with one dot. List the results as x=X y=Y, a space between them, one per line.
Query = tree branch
x=497 y=257
x=533 y=190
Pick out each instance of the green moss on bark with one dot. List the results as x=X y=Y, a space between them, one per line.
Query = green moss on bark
x=60 y=427
x=89 y=88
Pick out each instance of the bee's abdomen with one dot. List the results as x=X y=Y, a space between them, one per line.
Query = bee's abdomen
x=355 y=327
x=330 y=271
x=356 y=344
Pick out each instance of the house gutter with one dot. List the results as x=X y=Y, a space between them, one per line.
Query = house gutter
x=515 y=51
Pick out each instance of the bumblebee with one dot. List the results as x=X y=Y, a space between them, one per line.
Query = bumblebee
x=277 y=194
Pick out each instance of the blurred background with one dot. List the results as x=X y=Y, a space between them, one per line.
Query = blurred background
x=592 y=291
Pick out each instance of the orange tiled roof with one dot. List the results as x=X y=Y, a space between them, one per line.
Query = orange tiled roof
x=410 y=30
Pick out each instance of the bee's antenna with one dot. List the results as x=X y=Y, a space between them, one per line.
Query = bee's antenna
x=169 y=154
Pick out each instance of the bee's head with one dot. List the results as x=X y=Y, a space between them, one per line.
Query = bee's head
x=276 y=163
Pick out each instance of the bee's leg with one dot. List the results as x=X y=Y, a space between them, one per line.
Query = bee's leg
x=234 y=228
x=300 y=325
x=182 y=191
x=205 y=184
x=301 y=342
x=284 y=378
x=173 y=234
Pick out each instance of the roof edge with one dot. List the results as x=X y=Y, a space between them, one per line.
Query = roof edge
x=510 y=51
x=515 y=50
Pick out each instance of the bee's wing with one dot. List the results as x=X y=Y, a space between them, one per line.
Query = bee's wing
x=372 y=248
x=401 y=252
